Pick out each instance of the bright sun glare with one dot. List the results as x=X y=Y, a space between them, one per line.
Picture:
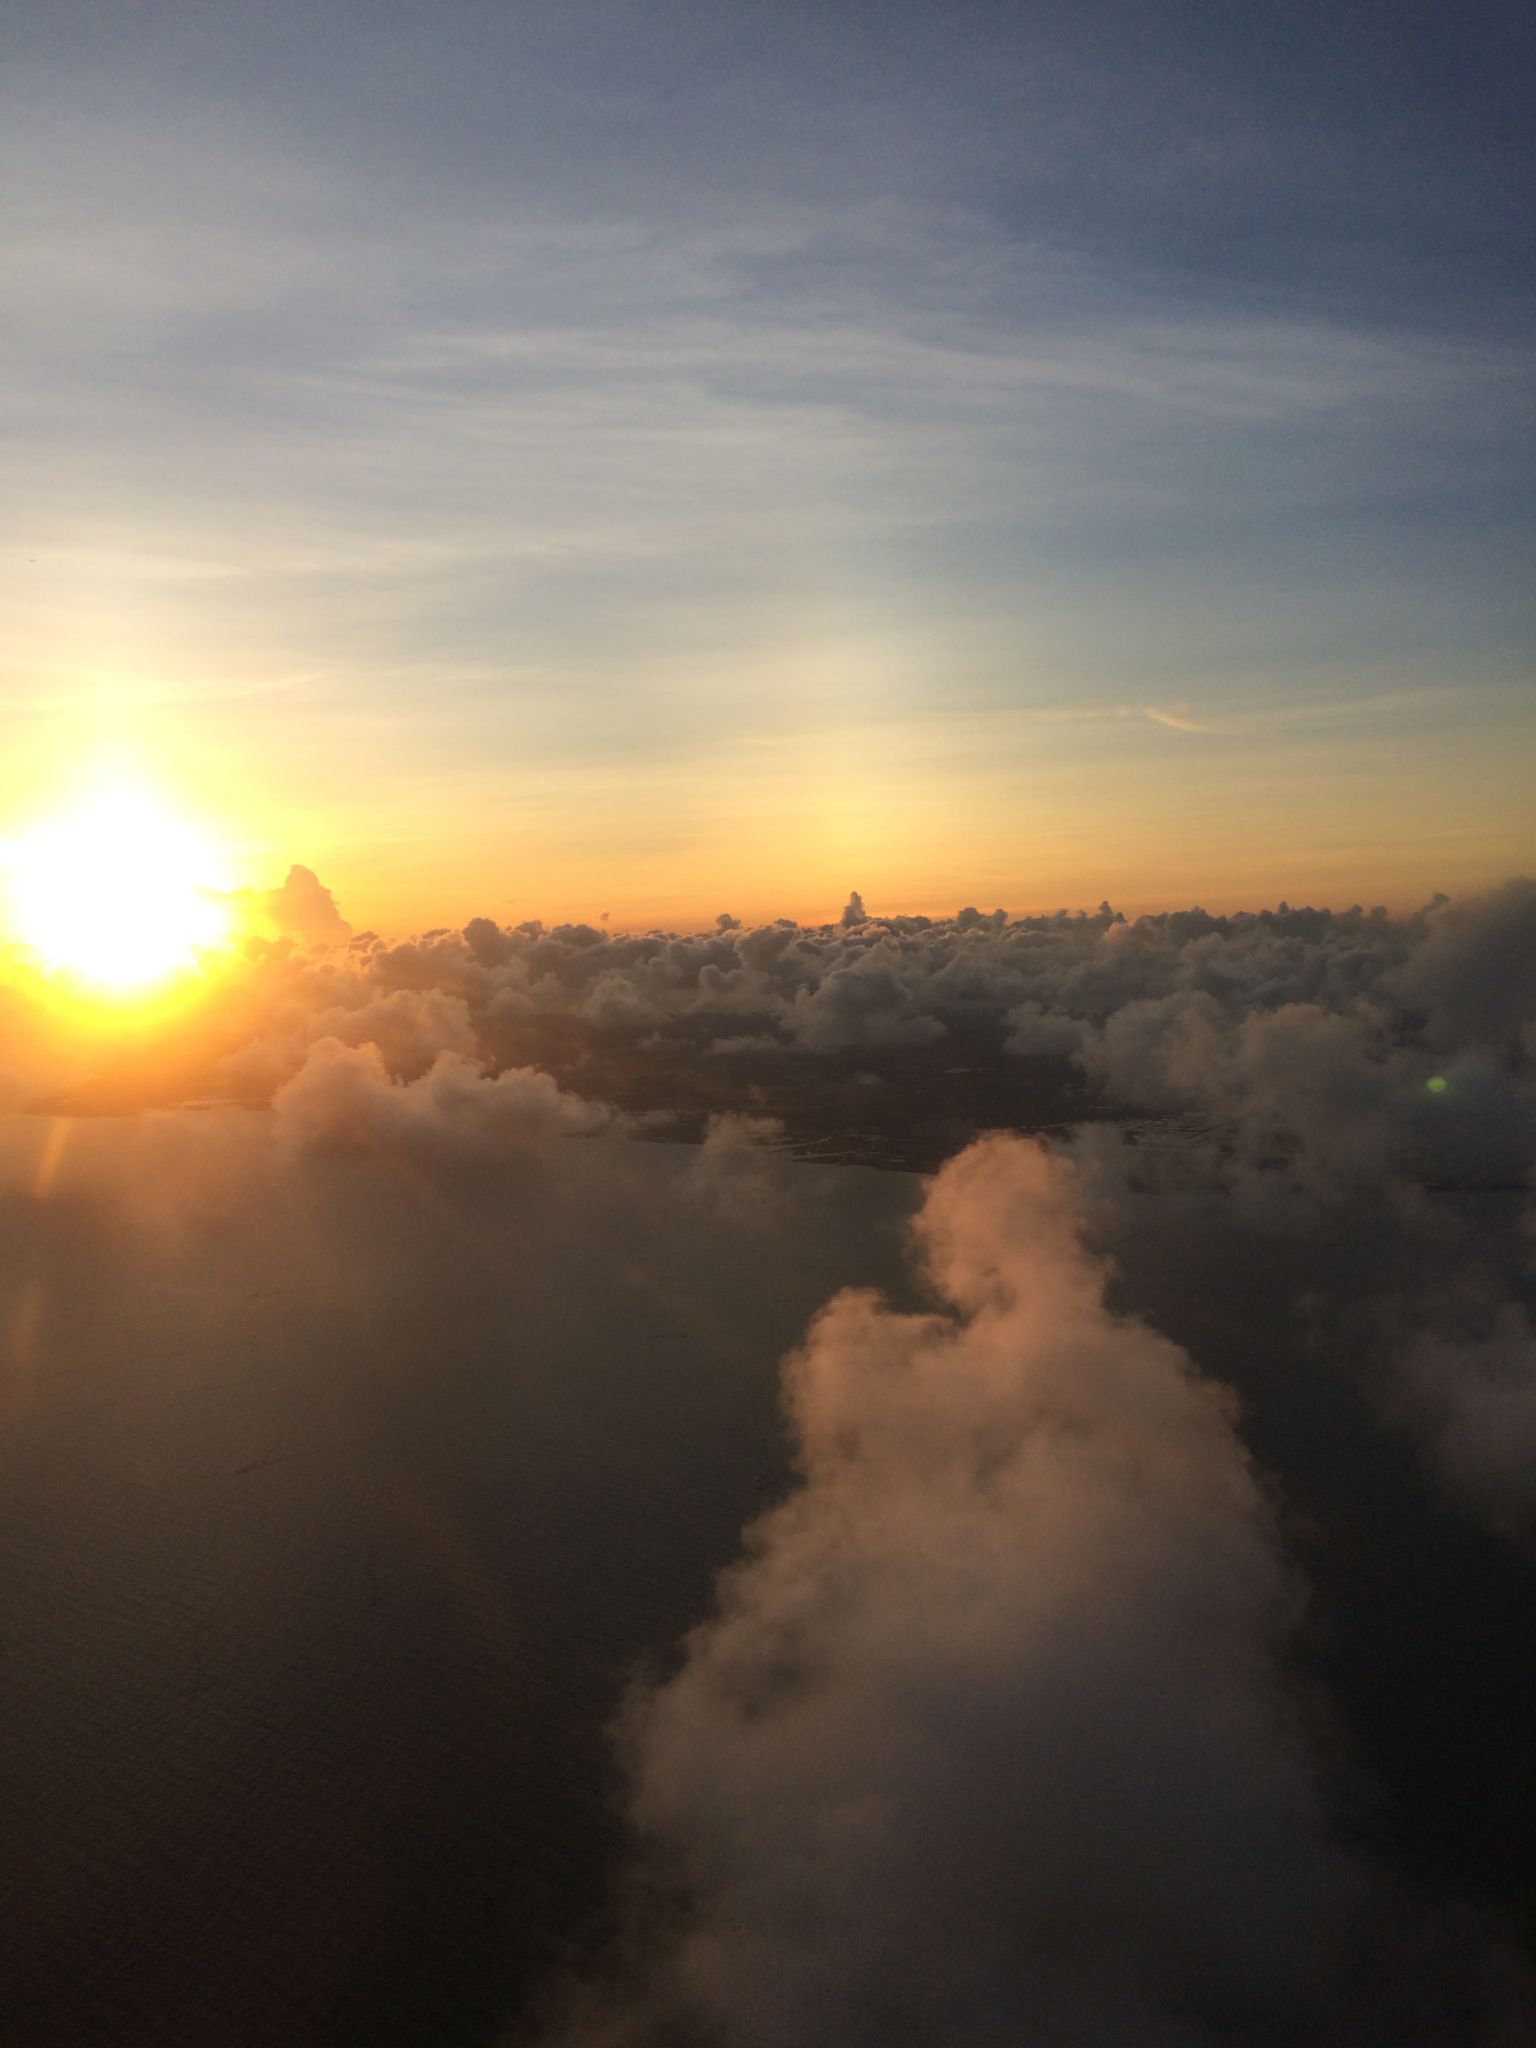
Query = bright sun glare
x=117 y=892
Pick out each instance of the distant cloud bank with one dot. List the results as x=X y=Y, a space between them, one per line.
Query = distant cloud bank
x=1455 y=976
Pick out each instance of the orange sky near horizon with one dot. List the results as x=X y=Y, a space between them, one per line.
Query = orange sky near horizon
x=1030 y=814
x=508 y=484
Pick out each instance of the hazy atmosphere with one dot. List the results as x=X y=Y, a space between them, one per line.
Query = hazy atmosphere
x=571 y=457
x=767 y=1026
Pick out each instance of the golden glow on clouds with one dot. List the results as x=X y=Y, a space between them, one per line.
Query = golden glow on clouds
x=117 y=893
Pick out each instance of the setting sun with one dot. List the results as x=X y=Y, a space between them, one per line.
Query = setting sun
x=117 y=892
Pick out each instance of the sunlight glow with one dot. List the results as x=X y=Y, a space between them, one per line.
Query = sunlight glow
x=117 y=892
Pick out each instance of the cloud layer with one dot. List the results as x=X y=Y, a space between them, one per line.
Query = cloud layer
x=1128 y=1639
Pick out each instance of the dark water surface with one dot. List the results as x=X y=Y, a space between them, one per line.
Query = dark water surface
x=314 y=1606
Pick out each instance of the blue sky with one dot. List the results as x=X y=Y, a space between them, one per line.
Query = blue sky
x=545 y=455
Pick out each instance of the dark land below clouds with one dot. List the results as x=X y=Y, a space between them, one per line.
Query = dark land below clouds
x=315 y=1625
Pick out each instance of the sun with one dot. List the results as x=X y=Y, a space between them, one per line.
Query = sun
x=118 y=893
